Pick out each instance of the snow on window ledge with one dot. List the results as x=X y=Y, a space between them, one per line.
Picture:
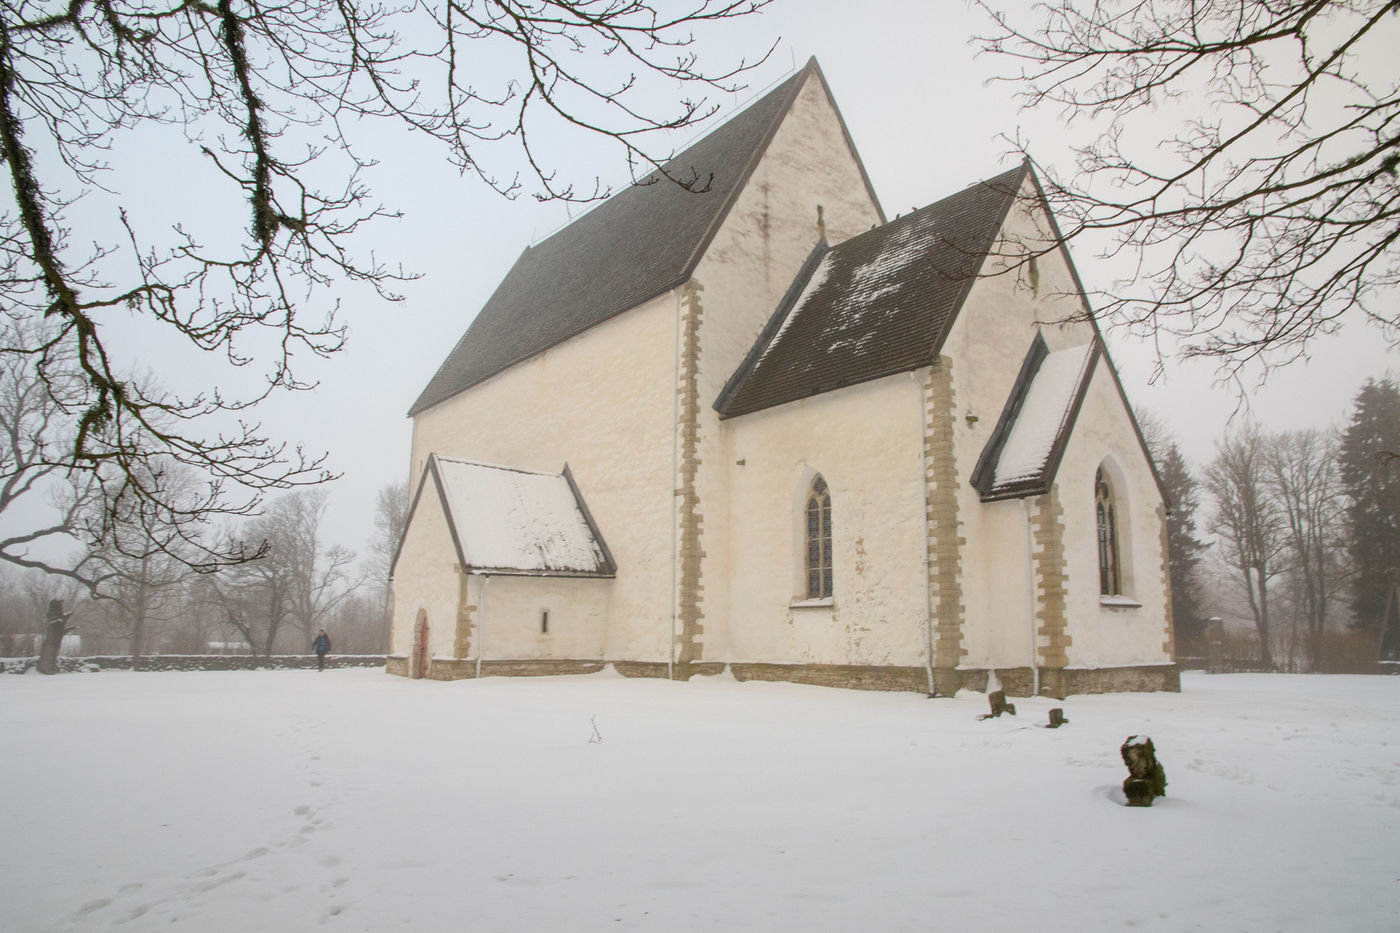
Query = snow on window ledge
x=1119 y=602
x=823 y=603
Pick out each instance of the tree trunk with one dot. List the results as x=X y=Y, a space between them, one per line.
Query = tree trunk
x=55 y=626
x=1266 y=656
x=138 y=624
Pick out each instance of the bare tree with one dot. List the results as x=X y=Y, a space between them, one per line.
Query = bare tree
x=1242 y=154
x=390 y=520
x=1302 y=478
x=138 y=560
x=320 y=575
x=40 y=499
x=296 y=581
x=1248 y=522
x=359 y=625
x=54 y=600
x=267 y=95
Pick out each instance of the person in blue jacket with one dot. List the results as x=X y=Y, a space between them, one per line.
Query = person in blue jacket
x=321 y=645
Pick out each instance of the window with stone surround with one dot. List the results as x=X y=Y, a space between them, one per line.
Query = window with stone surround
x=818 y=539
x=1106 y=515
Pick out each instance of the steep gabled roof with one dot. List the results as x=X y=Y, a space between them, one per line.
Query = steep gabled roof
x=634 y=246
x=1023 y=454
x=877 y=304
x=514 y=522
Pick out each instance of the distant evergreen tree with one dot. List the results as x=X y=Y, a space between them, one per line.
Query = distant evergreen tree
x=1184 y=549
x=1370 y=467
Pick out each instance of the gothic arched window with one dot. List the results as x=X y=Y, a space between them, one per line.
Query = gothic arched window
x=1106 y=514
x=818 y=553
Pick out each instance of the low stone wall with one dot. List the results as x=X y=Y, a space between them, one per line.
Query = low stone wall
x=194 y=662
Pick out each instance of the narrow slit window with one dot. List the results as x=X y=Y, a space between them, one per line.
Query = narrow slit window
x=818 y=540
x=1106 y=514
x=544 y=622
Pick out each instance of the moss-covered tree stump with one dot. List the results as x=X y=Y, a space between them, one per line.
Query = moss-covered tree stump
x=1146 y=779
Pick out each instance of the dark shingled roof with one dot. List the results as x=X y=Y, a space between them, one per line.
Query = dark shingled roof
x=634 y=246
x=877 y=304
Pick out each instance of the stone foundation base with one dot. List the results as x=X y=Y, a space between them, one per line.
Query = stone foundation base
x=655 y=669
x=1015 y=681
x=465 y=668
x=854 y=676
x=659 y=669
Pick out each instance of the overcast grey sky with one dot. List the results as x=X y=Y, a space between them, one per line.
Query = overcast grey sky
x=926 y=124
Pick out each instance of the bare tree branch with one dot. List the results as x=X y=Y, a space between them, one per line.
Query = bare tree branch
x=1267 y=213
x=267 y=93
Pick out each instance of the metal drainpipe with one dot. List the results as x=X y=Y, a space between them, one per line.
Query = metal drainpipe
x=923 y=484
x=675 y=474
x=481 y=624
x=1030 y=595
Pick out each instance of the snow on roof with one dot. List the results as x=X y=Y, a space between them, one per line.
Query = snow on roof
x=516 y=521
x=876 y=304
x=1043 y=417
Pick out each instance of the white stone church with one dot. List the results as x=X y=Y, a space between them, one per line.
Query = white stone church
x=768 y=430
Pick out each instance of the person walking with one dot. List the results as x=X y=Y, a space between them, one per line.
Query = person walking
x=321 y=645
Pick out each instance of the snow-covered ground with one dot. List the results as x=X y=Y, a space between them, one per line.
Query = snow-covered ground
x=289 y=800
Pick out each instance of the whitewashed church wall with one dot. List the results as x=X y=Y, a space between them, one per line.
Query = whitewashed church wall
x=757 y=252
x=507 y=620
x=987 y=345
x=425 y=578
x=998 y=626
x=865 y=442
x=994 y=330
x=1105 y=636
x=604 y=402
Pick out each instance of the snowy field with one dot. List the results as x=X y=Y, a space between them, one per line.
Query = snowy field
x=352 y=800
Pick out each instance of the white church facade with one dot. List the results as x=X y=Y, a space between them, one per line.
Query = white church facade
x=766 y=430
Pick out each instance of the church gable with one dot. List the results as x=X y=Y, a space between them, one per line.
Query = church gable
x=878 y=304
x=808 y=186
x=636 y=245
x=513 y=522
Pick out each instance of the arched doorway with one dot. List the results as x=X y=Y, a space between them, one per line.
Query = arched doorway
x=418 y=661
